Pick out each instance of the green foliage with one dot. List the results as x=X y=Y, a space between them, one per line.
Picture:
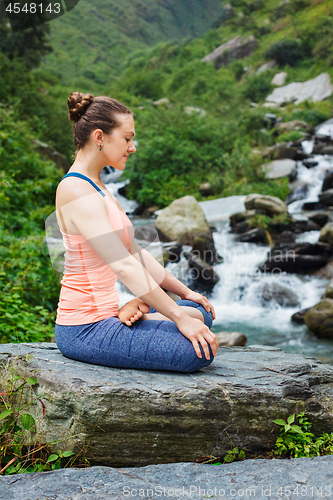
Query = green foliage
x=289 y=51
x=257 y=87
x=294 y=135
x=18 y=427
x=312 y=116
x=296 y=440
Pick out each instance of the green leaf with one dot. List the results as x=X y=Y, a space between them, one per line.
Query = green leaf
x=27 y=421
x=229 y=458
x=279 y=421
x=241 y=455
x=68 y=454
x=5 y=414
x=287 y=427
x=52 y=458
x=291 y=419
x=32 y=381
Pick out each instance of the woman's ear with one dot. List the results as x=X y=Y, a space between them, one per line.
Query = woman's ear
x=98 y=136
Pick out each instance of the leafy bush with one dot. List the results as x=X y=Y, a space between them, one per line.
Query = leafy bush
x=288 y=51
x=294 y=135
x=296 y=440
x=257 y=87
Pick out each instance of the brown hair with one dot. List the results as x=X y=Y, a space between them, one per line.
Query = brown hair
x=89 y=112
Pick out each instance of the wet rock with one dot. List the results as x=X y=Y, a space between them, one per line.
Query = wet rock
x=329 y=290
x=140 y=417
x=182 y=221
x=203 y=247
x=254 y=235
x=298 y=317
x=279 y=78
x=326 y=197
x=271 y=204
x=319 y=319
x=316 y=89
x=327 y=150
x=174 y=253
x=236 y=48
x=313 y=205
x=310 y=163
x=281 y=294
x=326 y=234
x=300 y=155
x=146 y=232
x=207 y=189
x=279 y=151
x=242 y=216
x=328 y=182
x=231 y=339
x=280 y=168
x=201 y=272
x=285 y=237
x=149 y=212
x=297 y=257
x=319 y=218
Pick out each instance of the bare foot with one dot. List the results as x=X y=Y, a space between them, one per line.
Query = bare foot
x=132 y=311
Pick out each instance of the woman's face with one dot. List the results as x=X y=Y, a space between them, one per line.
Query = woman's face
x=118 y=145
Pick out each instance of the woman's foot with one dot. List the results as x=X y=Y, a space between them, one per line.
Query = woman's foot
x=132 y=311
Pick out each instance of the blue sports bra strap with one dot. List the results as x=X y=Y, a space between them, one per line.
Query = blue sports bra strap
x=85 y=178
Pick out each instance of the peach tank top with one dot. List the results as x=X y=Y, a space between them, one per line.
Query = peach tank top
x=88 y=291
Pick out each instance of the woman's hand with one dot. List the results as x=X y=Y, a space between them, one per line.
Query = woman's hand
x=199 y=299
x=196 y=331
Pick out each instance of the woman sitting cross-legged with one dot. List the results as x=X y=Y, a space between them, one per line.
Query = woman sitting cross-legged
x=151 y=331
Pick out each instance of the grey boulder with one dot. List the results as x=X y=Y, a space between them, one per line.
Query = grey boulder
x=316 y=89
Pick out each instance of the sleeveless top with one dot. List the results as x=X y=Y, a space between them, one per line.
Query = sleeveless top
x=88 y=291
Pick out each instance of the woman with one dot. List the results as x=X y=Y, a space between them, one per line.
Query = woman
x=151 y=331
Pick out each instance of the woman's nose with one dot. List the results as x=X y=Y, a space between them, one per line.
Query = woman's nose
x=132 y=148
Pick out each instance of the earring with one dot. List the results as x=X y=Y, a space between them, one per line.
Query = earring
x=100 y=147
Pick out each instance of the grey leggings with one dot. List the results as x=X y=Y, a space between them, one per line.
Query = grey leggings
x=147 y=344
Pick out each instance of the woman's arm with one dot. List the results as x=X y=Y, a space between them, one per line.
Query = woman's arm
x=88 y=214
x=166 y=280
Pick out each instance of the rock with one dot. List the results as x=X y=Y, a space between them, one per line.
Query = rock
x=312 y=205
x=297 y=257
x=146 y=232
x=329 y=290
x=201 y=272
x=164 y=101
x=52 y=154
x=270 y=105
x=174 y=481
x=254 y=235
x=140 y=417
x=241 y=216
x=236 y=48
x=279 y=168
x=189 y=110
x=271 y=204
x=285 y=237
x=325 y=272
x=279 y=78
x=206 y=189
x=264 y=67
x=149 y=212
x=231 y=339
x=286 y=127
x=174 y=253
x=326 y=234
x=182 y=221
x=328 y=182
x=326 y=197
x=298 y=317
x=281 y=294
x=204 y=248
x=279 y=151
x=310 y=163
x=319 y=319
x=298 y=193
x=316 y=89
x=319 y=218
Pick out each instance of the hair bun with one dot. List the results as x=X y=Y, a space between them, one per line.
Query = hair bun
x=78 y=103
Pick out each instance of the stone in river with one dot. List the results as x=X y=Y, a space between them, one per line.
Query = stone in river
x=132 y=418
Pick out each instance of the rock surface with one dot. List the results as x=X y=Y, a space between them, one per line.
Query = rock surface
x=271 y=204
x=279 y=168
x=319 y=319
x=279 y=78
x=326 y=234
x=183 y=220
x=316 y=89
x=236 y=48
x=138 y=417
x=259 y=479
x=231 y=339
